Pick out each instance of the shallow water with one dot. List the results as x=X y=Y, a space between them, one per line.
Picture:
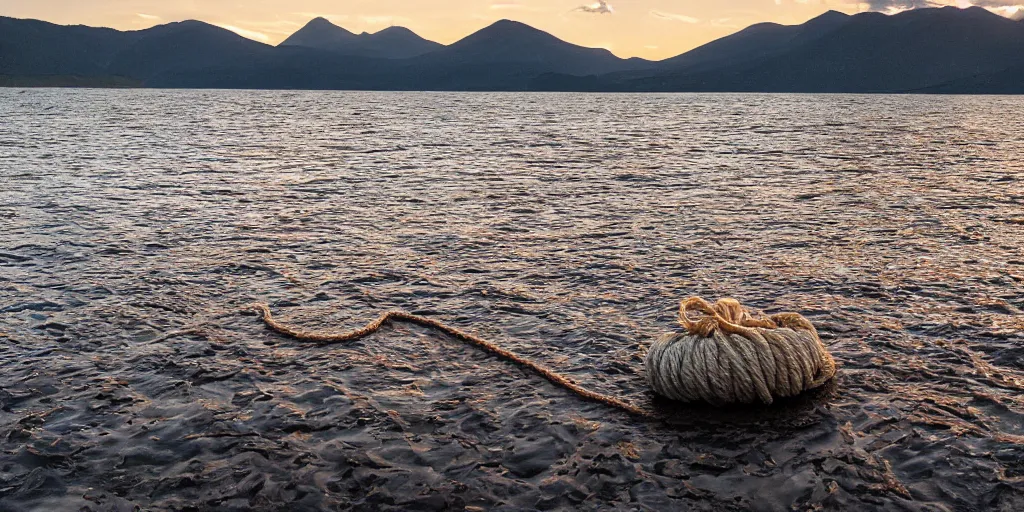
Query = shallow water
x=563 y=227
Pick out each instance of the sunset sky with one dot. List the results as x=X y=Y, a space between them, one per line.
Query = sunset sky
x=646 y=28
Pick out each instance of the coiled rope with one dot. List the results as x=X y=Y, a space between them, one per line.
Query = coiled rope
x=727 y=357
x=730 y=357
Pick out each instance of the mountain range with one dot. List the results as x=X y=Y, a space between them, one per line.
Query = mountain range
x=932 y=50
x=390 y=43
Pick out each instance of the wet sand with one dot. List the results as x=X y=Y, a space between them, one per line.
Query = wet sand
x=563 y=227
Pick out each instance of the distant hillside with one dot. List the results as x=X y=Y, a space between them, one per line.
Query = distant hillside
x=390 y=43
x=925 y=50
x=285 y=68
x=1007 y=81
x=161 y=52
x=516 y=44
x=38 y=48
x=869 y=52
x=76 y=81
x=755 y=43
x=39 y=52
x=506 y=55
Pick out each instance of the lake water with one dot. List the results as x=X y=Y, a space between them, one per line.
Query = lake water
x=563 y=227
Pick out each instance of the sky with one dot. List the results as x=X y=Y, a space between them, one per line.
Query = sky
x=653 y=29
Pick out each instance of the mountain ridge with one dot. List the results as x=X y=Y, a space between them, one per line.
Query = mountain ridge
x=390 y=43
x=912 y=51
x=922 y=50
x=756 y=41
x=512 y=42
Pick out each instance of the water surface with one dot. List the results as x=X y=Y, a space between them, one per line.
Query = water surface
x=563 y=227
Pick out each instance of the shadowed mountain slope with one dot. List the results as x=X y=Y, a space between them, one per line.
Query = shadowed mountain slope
x=390 y=43
x=756 y=42
x=179 y=47
x=30 y=48
x=923 y=50
x=870 y=52
x=521 y=46
x=38 y=48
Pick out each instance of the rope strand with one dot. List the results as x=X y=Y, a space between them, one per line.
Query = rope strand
x=555 y=378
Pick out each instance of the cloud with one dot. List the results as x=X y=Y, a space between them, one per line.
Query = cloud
x=994 y=3
x=1008 y=8
x=672 y=17
x=601 y=7
x=148 y=17
x=250 y=34
x=894 y=6
x=1013 y=9
x=725 y=23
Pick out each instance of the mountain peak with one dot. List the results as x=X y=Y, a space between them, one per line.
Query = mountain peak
x=828 y=20
x=506 y=30
x=319 y=32
x=512 y=27
x=390 y=43
x=950 y=13
x=510 y=36
x=980 y=11
x=508 y=22
x=953 y=10
x=323 y=24
x=832 y=15
x=514 y=49
x=396 y=30
x=189 y=24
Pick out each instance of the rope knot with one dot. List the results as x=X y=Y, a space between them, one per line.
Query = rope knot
x=726 y=315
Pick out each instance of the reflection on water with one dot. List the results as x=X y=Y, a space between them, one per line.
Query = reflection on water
x=564 y=227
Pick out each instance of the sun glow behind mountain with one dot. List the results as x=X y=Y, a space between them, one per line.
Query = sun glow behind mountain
x=652 y=29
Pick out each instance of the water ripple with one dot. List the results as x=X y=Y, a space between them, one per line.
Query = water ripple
x=564 y=227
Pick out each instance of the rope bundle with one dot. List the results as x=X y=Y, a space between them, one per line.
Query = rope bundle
x=726 y=357
x=730 y=357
